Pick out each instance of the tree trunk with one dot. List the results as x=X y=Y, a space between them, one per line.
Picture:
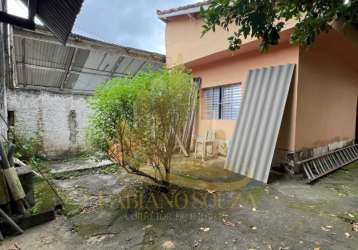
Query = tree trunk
x=167 y=175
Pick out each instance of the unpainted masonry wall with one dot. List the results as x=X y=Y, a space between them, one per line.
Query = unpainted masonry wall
x=59 y=120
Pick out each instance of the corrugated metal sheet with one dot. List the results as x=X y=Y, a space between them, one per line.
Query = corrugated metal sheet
x=40 y=62
x=44 y=54
x=58 y=15
x=255 y=136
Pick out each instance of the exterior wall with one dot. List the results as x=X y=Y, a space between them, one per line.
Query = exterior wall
x=234 y=70
x=320 y=114
x=327 y=93
x=184 y=42
x=58 y=119
x=3 y=66
x=4 y=76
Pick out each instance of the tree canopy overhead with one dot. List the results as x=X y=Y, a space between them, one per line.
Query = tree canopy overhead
x=264 y=19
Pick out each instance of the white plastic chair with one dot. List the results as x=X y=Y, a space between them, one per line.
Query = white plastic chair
x=207 y=140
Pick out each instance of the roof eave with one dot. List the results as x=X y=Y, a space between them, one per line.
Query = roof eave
x=184 y=12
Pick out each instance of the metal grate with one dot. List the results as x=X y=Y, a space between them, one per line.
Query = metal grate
x=318 y=167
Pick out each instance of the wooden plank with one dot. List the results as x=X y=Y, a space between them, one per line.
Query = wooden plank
x=11 y=222
x=4 y=193
x=181 y=146
x=14 y=184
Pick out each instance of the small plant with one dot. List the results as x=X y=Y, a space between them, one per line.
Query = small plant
x=136 y=120
x=28 y=149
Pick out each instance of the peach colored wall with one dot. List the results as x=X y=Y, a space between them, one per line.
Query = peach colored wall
x=234 y=70
x=327 y=92
x=322 y=101
x=184 y=42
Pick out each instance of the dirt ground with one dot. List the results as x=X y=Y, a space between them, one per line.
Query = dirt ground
x=209 y=208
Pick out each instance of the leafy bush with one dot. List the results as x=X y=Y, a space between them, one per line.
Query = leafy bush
x=28 y=148
x=135 y=120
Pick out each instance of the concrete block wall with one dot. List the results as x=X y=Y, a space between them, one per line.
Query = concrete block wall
x=60 y=120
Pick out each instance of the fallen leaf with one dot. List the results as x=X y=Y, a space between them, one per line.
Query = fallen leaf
x=325 y=229
x=355 y=227
x=228 y=223
x=196 y=243
x=168 y=245
x=147 y=227
x=205 y=229
x=14 y=247
x=96 y=239
x=351 y=215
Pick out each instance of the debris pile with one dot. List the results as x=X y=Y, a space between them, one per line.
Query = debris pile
x=16 y=194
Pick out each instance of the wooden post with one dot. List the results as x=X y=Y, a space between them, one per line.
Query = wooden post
x=12 y=180
x=11 y=222
x=4 y=194
x=181 y=146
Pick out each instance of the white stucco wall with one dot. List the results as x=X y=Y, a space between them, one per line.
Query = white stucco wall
x=59 y=119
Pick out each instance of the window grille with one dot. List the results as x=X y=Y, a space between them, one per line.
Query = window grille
x=222 y=103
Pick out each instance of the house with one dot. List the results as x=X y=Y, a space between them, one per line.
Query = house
x=321 y=108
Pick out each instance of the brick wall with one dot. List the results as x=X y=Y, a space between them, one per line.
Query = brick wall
x=59 y=120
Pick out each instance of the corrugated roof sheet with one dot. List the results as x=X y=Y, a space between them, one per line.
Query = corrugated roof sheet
x=58 y=15
x=42 y=62
x=260 y=116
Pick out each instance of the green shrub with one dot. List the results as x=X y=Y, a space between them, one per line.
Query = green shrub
x=28 y=148
x=135 y=120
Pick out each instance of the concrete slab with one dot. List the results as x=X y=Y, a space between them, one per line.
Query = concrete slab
x=287 y=214
x=77 y=165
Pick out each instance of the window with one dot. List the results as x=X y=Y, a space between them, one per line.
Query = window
x=11 y=118
x=222 y=103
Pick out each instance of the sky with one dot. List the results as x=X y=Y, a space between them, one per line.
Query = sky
x=132 y=23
